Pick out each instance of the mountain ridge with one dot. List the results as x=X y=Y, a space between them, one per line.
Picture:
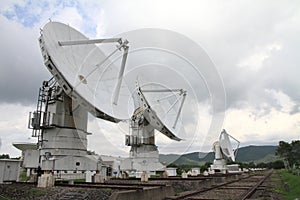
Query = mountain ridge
x=251 y=153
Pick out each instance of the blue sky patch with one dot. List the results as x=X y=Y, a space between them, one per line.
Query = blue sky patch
x=30 y=13
x=26 y=14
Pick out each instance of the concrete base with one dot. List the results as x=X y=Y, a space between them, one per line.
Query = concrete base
x=143 y=158
x=46 y=180
x=165 y=174
x=205 y=173
x=144 y=177
x=219 y=166
x=147 y=193
x=184 y=175
x=88 y=176
x=98 y=178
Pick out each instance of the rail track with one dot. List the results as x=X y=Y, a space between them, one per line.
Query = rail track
x=247 y=187
x=115 y=186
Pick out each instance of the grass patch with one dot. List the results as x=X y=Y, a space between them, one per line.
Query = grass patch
x=107 y=189
x=23 y=176
x=177 y=191
x=81 y=180
x=291 y=191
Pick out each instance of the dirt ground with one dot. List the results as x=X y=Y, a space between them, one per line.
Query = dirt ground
x=25 y=191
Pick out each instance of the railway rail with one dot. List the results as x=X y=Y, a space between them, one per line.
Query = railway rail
x=117 y=186
x=135 y=183
x=240 y=189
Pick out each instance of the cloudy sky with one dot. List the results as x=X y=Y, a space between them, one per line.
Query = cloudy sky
x=254 y=46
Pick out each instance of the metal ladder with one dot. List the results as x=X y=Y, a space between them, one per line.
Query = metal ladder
x=38 y=121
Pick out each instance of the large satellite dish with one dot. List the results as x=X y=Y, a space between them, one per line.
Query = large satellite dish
x=85 y=72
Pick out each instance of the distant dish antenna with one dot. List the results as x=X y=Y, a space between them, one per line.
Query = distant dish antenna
x=224 y=152
x=226 y=146
x=154 y=117
x=144 y=154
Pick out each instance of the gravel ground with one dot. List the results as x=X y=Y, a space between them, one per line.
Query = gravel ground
x=25 y=191
x=234 y=190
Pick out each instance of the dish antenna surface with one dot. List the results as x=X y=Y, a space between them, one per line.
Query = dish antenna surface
x=159 y=118
x=226 y=146
x=84 y=71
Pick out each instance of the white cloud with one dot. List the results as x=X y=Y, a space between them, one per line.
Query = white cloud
x=71 y=16
x=257 y=60
x=284 y=101
x=249 y=125
x=13 y=127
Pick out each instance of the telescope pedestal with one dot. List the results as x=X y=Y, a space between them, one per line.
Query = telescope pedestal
x=144 y=155
x=219 y=166
x=61 y=127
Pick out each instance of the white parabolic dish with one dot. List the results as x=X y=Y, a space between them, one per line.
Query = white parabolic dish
x=152 y=116
x=226 y=146
x=81 y=72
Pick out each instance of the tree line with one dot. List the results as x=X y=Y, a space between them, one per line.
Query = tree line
x=290 y=153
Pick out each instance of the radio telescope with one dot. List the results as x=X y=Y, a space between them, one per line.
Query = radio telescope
x=224 y=152
x=77 y=87
x=144 y=154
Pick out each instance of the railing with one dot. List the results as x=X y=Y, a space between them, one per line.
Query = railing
x=39 y=120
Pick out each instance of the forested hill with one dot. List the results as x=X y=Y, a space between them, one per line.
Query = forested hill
x=245 y=154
